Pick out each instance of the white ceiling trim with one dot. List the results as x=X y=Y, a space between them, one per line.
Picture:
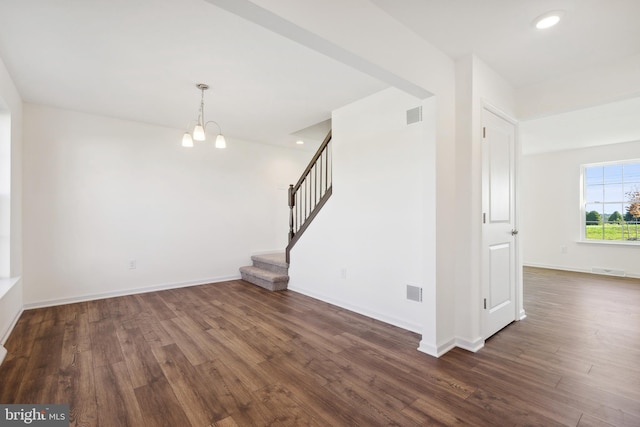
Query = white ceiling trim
x=279 y=25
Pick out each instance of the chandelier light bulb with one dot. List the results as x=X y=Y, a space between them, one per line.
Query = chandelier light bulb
x=198 y=133
x=220 y=142
x=187 y=141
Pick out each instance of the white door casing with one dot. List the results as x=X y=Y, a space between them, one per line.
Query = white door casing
x=499 y=233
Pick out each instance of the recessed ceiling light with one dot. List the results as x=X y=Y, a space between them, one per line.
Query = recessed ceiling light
x=299 y=142
x=548 y=20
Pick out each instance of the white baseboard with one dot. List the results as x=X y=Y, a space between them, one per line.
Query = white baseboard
x=441 y=349
x=472 y=346
x=436 y=351
x=409 y=326
x=3 y=350
x=428 y=348
x=124 y=292
x=13 y=302
x=556 y=267
x=5 y=337
x=574 y=269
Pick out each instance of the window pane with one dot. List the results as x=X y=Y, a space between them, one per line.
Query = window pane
x=594 y=207
x=593 y=221
x=613 y=228
x=613 y=213
x=631 y=172
x=612 y=232
x=593 y=213
x=593 y=175
x=613 y=193
x=594 y=193
x=613 y=174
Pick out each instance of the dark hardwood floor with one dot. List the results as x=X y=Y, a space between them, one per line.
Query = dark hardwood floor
x=232 y=354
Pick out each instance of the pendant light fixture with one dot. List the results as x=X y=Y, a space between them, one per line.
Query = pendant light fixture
x=199 y=131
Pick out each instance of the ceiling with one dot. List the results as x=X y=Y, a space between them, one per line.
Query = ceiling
x=140 y=60
x=612 y=123
x=500 y=32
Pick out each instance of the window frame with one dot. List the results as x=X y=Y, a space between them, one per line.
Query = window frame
x=583 y=202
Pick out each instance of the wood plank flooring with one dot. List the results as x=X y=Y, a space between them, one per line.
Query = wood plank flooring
x=232 y=354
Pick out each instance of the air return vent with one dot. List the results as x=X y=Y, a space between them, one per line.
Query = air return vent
x=414 y=115
x=414 y=293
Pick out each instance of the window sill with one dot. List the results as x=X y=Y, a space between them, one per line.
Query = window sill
x=7 y=284
x=611 y=242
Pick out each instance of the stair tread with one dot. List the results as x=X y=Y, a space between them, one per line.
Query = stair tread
x=265 y=274
x=278 y=259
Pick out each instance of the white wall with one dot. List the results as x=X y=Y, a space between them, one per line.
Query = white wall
x=11 y=139
x=551 y=211
x=366 y=244
x=101 y=192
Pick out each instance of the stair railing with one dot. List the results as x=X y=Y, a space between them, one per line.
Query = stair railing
x=310 y=193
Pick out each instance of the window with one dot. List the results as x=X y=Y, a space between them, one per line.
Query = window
x=611 y=201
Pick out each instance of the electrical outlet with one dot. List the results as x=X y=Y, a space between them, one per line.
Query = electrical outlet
x=343 y=273
x=133 y=264
x=564 y=249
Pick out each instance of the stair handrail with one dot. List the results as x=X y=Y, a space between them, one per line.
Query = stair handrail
x=299 y=220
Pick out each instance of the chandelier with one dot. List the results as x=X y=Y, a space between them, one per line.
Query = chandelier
x=199 y=131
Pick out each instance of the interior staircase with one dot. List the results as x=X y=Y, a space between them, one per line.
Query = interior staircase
x=306 y=198
x=269 y=271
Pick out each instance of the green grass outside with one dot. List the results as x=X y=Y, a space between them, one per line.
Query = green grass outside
x=614 y=232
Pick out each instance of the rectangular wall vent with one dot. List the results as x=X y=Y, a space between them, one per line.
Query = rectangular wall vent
x=608 y=271
x=414 y=293
x=414 y=115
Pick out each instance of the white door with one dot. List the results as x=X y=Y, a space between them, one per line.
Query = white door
x=499 y=234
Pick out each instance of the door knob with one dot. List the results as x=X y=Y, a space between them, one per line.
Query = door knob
x=514 y=232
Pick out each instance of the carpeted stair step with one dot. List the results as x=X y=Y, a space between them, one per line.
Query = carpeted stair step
x=271 y=262
x=269 y=271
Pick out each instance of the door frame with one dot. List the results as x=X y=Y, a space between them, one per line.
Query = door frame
x=519 y=312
